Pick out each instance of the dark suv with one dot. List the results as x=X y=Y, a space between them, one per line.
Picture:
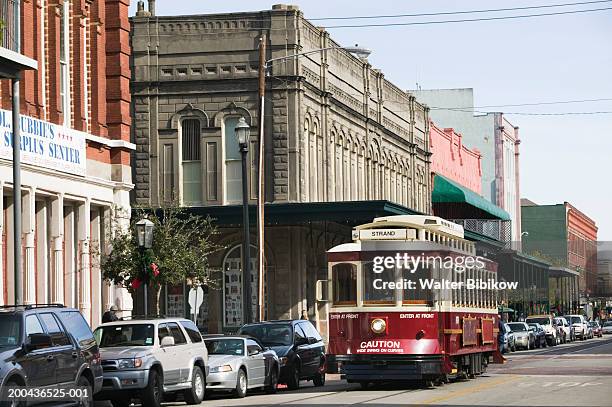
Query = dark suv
x=299 y=347
x=43 y=346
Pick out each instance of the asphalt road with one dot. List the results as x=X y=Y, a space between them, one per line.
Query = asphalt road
x=575 y=374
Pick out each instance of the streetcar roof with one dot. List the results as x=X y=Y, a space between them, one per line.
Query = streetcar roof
x=433 y=223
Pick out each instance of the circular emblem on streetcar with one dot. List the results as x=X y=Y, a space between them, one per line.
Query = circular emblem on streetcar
x=378 y=325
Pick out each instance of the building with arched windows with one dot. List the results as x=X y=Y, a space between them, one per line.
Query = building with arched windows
x=342 y=145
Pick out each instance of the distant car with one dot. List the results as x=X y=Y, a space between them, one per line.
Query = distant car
x=552 y=334
x=523 y=336
x=567 y=328
x=299 y=347
x=506 y=339
x=607 y=327
x=46 y=346
x=540 y=335
x=589 y=330
x=580 y=325
x=238 y=363
x=596 y=329
x=152 y=360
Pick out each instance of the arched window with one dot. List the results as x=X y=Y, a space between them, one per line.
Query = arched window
x=232 y=170
x=339 y=169
x=191 y=162
x=232 y=286
x=313 y=168
x=307 y=158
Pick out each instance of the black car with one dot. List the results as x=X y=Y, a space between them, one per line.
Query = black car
x=299 y=347
x=45 y=346
x=540 y=334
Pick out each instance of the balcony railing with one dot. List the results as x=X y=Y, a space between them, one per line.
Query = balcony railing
x=9 y=25
x=496 y=229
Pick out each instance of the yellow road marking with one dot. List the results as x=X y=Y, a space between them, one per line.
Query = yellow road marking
x=470 y=390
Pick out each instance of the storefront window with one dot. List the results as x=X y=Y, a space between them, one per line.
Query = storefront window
x=344 y=284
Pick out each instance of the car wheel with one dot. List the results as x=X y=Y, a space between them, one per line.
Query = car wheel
x=272 y=386
x=242 y=384
x=153 y=394
x=513 y=349
x=294 y=380
x=319 y=380
x=195 y=395
x=14 y=403
x=89 y=401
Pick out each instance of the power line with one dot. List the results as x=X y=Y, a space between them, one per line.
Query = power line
x=468 y=20
x=458 y=12
x=532 y=114
x=522 y=104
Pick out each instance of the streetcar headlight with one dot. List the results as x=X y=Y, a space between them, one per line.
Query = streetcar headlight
x=378 y=325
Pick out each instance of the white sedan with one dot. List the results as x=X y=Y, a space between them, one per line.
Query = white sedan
x=240 y=363
x=607 y=327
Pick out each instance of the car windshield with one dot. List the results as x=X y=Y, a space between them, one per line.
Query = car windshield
x=541 y=321
x=535 y=326
x=270 y=334
x=575 y=320
x=609 y=323
x=225 y=346
x=10 y=330
x=125 y=335
x=518 y=327
x=593 y=324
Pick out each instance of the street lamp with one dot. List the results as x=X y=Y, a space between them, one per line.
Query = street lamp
x=144 y=239
x=243 y=131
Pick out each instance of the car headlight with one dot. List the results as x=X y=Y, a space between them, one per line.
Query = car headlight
x=378 y=325
x=283 y=360
x=129 y=363
x=220 y=369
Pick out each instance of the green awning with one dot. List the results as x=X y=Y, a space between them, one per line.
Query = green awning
x=449 y=192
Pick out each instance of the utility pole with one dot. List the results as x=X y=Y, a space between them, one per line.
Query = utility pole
x=261 y=176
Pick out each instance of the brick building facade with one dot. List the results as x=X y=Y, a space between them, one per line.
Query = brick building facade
x=75 y=143
x=336 y=132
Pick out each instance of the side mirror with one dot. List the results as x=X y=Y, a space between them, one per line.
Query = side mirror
x=299 y=341
x=38 y=341
x=167 y=341
x=253 y=352
x=322 y=290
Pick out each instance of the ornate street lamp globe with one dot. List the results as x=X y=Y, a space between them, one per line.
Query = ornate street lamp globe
x=144 y=233
x=242 y=130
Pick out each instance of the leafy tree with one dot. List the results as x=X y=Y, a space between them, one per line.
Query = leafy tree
x=182 y=244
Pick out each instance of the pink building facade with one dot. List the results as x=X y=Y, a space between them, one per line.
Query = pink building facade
x=451 y=159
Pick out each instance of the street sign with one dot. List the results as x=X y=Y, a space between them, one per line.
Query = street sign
x=196 y=298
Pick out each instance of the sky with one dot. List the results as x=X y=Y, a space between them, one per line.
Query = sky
x=518 y=61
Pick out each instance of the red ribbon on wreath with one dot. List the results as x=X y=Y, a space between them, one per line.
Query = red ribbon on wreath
x=136 y=283
x=154 y=269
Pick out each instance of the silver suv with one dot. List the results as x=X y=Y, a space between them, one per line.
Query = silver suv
x=152 y=360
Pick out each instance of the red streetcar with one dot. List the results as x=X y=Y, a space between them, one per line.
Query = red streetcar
x=409 y=299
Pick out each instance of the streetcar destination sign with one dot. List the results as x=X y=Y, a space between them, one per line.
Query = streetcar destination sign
x=384 y=234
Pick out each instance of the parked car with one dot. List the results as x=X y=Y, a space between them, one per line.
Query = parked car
x=506 y=339
x=523 y=336
x=580 y=326
x=607 y=327
x=540 y=335
x=152 y=360
x=596 y=328
x=589 y=334
x=46 y=346
x=567 y=328
x=238 y=363
x=547 y=322
x=299 y=347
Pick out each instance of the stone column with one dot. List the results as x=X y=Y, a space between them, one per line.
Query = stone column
x=29 y=225
x=3 y=270
x=107 y=288
x=84 y=268
x=57 y=235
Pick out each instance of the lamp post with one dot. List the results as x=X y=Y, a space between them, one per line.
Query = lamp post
x=264 y=65
x=144 y=238
x=243 y=131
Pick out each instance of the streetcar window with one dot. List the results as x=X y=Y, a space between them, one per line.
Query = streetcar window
x=344 y=284
x=376 y=289
x=418 y=294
